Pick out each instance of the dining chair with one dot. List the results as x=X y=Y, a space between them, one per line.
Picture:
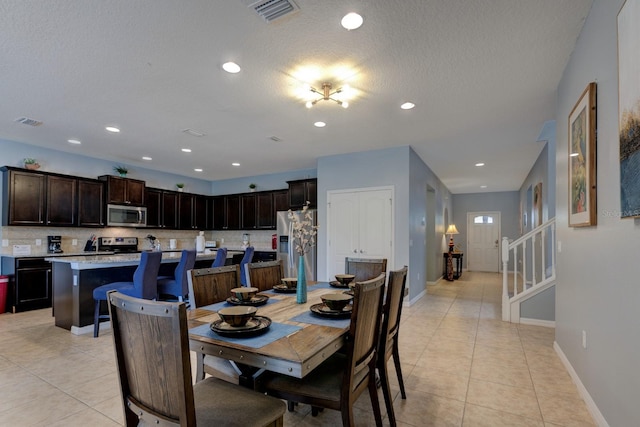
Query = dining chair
x=176 y=286
x=343 y=377
x=221 y=258
x=265 y=275
x=209 y=286
x=151 y=341
x=388 y=345
x=144 y=285
x=365 y=268
x=246 y=259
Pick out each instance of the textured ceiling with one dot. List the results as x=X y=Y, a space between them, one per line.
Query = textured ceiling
x=482 y=73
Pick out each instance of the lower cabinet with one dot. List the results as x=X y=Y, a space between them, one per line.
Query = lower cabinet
x=30 y=288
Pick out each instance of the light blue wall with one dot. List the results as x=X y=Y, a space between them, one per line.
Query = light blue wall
x=541 y=306
x=387 y=167
x=597 y=289
x=269 y=182
x=539 y=173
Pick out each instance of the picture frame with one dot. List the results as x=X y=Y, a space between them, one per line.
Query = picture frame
x=629 y=108
x=582 y=160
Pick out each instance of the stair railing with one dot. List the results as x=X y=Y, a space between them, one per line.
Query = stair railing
x=532 y=259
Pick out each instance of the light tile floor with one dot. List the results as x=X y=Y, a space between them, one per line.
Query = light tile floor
x=462 y=366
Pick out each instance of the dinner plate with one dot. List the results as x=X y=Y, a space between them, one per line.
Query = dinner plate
x=263 y=325
x=252 y=323
x=337 y=284
x=284 y=289
x=324 y=311
x=255 y=301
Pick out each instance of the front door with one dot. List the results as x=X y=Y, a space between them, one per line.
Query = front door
x=483 y=241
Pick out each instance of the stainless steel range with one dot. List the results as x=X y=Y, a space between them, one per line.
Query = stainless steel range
x=118 y=244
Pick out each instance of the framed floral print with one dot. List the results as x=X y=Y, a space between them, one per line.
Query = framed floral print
x=582 y=160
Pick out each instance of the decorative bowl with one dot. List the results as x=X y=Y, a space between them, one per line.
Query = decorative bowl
x=244 y=293
x=290 y=282
x=238 y=315
x=336 y=302
x=345 y=279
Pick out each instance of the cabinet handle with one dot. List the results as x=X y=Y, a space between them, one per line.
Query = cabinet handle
x=355 y=251
x=361 y=251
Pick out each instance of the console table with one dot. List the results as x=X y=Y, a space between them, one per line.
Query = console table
x=457 y=261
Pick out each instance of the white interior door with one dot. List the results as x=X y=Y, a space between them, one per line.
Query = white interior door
x=360 y=225
x=483 y=241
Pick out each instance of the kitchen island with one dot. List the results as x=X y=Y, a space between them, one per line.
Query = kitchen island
x=75 y=278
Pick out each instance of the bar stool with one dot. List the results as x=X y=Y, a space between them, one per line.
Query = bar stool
x=144 y=285
x=247 y=258
x=177 y=285
x=221 y=258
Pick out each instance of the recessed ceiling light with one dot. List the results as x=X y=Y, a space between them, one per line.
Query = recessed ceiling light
x=407 y=105
x=235 y=164
x=483 y=186
x=186 y=150
x=112 y=129
x=319 y=124
x=198 y=170
x=351 y=21
x=74 y=141
x=231 y=67
x=479 y=164
x=146 y=158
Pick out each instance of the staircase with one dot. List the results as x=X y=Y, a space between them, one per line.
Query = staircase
x=528 y=268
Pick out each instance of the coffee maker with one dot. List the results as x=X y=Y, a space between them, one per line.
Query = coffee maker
x=54 y=244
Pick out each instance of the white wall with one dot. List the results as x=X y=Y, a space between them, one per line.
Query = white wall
x=598 y=289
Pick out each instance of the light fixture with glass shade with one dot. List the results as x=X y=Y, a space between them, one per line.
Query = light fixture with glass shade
x=327 y=95
x=451 y=230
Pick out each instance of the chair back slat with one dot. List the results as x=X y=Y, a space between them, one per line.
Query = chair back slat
x=211 y=285
x=265 y=275
x=365 y=268
x=392 y=309
x=364 y=332
x=151 y=344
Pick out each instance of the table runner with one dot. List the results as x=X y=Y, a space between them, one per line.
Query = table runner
x=274 y=333
x=309 y=317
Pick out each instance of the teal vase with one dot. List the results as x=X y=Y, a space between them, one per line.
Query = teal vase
x=301 y=288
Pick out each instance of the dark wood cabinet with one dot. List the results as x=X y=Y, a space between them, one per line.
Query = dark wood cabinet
x=265 y=212
x=153 y=200
x=192 y=211
x=303 y=191
x=218 y=212
x=232 y=212
x=280 y=201
x=31 y=284
x=248 y=214
x=200 y=212
x=61 y=201
x=90 y=203
x=124 y=191
x=24 y=197
x=170 y=213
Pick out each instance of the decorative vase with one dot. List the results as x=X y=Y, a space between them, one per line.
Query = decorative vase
x=180 y=189
x=32 y=166
x=122 y=174
x=301 y=289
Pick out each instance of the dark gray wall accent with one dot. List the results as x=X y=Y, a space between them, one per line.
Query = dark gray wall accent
x=597 y=289
x=541 y=306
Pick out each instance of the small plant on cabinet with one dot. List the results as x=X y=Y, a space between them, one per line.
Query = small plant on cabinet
x=30 y=163
x=180 y=186
x=252 y=187
x=122 y=171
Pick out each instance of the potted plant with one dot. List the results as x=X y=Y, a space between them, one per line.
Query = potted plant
x=252 y=187
x=180 y=186
x=122 y=171
x=31 y=164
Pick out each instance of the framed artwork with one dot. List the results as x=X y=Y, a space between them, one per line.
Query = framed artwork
x=537 y=204
x=582 y=160
x=629 y=107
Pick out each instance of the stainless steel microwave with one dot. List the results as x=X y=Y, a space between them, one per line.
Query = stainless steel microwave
x=126 y=216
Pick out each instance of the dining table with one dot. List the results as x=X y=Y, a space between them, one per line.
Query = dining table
x=295 y=343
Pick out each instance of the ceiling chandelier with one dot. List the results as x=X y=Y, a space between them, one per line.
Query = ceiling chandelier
x=327 y=95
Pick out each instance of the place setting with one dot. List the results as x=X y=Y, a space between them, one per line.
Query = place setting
x=288 y=285
x=334 y=305
x=247 y=296
x=343 y=281
x=240 y=321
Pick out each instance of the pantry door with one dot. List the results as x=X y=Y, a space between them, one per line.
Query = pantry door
x=360 y=225
x=483 y=241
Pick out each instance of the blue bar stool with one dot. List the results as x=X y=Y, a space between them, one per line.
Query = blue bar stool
x=221 y=258
x=247 y=258
x=177 y=285
x=144 y=285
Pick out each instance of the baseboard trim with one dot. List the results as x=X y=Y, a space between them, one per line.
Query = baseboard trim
x=538 y=322
x=591 y=405
x=81 y=330
x=414 y=299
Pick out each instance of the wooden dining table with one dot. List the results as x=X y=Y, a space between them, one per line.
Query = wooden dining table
x=295 y=354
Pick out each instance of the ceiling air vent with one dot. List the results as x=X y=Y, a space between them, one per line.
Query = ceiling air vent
x=192 y=132
x=28 y=121
x=270 y=10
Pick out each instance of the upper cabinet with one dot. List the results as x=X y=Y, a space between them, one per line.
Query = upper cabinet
x=124 y=191
x=40 y=198
x=192 y=211
x=303 y=191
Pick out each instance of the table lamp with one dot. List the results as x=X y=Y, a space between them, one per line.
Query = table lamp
x=451 y=231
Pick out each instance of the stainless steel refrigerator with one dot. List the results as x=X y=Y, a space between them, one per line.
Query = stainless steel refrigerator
x=287 y=253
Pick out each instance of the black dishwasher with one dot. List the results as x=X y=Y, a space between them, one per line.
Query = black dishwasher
x=32 y=288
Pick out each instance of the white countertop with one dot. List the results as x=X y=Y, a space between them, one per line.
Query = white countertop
x=91 y=262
